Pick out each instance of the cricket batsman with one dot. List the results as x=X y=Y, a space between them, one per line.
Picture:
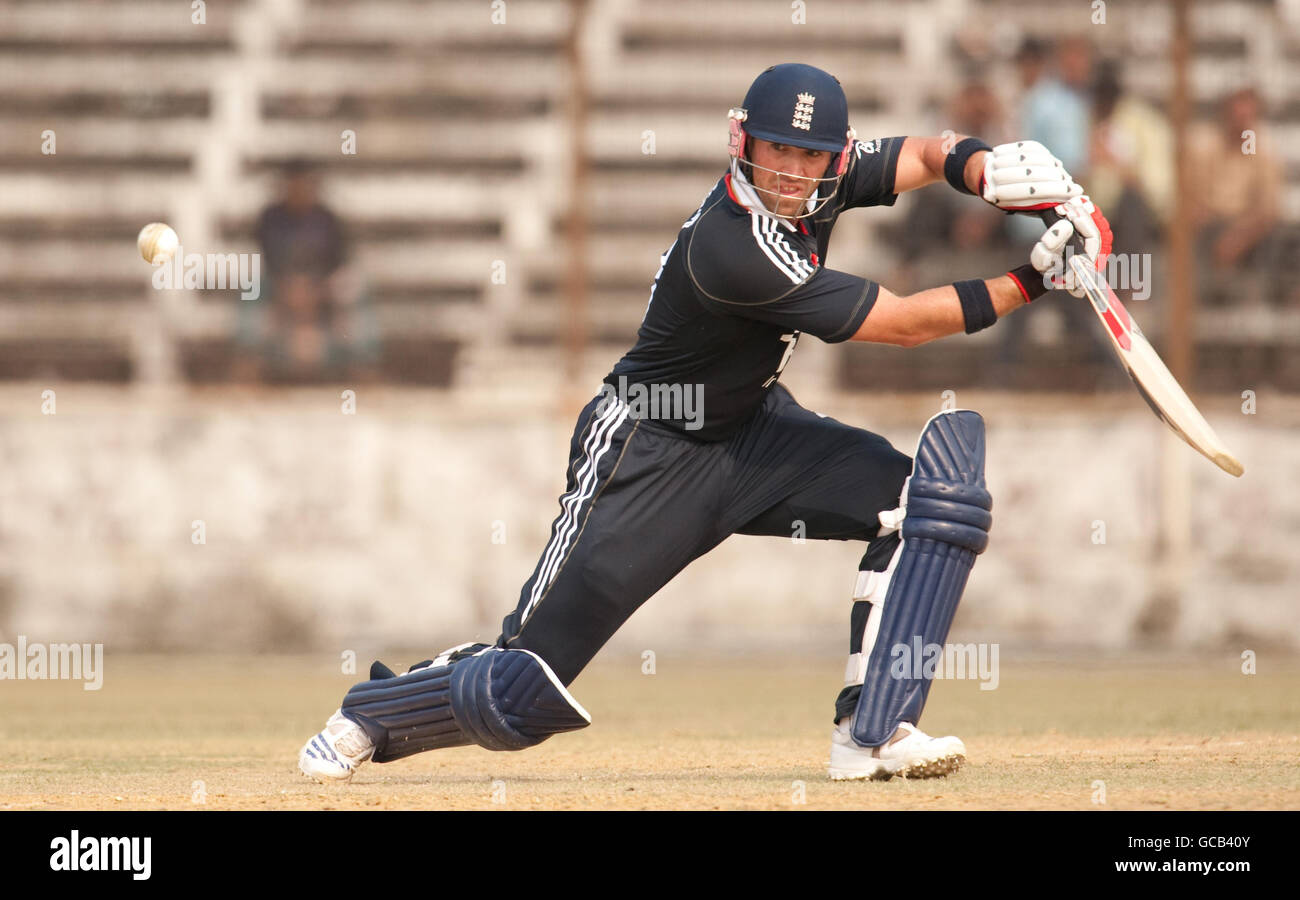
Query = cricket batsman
x=647 y=493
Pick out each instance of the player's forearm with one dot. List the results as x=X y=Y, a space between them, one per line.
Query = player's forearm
x=968 y=306
x=923 y=161
x=938 y=312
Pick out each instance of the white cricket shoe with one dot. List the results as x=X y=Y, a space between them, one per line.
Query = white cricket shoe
x=335 y=754
x=914 y=754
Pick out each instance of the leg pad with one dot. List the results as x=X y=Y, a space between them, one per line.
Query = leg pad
x=945 y=526
x=498 y=699
x=510 y=699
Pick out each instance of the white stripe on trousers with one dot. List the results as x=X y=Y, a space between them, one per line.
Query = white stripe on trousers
x=597 y=443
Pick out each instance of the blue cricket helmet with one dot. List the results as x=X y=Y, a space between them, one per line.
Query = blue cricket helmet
x=799 y=105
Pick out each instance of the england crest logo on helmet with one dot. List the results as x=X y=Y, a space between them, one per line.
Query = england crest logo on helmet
x=803 y=110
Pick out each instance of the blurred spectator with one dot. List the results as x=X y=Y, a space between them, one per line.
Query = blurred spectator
x=1053 y=110
x=1131 y=168
x=1235 y=209
x=1054 y=107
x=946 y=236
x=313 y=322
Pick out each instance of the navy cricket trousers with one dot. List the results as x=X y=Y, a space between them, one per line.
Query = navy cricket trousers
x=642 y=501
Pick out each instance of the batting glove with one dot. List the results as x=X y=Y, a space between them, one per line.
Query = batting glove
x=1079 y=216
x=1090 y=225
x=1025 y=176
x=1048 y=255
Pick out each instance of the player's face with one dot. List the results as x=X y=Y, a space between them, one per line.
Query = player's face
x=792 y=179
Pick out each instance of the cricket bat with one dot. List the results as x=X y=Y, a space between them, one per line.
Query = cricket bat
x=1139 y=359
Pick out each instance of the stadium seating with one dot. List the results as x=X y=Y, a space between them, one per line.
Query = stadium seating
x=462 y=161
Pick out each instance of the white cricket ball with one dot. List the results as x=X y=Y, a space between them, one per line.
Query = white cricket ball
x=158 y=243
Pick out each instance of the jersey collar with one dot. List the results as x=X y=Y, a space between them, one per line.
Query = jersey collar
x=743 y=193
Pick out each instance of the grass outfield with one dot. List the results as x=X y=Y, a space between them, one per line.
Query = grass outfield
x=224 y=732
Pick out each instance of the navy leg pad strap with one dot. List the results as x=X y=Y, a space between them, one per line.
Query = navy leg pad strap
x=945 y=526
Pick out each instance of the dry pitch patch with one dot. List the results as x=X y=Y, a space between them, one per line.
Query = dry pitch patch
x=224 y=732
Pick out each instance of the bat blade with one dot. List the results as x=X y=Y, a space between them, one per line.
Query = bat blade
x=1148 y=372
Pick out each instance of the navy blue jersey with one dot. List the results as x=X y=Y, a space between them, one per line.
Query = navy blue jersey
x=736 y=290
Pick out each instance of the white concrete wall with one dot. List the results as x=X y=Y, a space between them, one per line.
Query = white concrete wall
x=336 y=531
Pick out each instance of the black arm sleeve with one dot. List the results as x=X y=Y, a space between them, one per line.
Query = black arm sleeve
x=830 y=305
x=869 y=180
x=764 y=276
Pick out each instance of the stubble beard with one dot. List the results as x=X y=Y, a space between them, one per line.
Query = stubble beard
x=783 y=205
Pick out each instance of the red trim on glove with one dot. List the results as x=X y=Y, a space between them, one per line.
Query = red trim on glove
x=1016 y=209
x=1024 y=293
x=1029 y=280
x=1107 y=236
